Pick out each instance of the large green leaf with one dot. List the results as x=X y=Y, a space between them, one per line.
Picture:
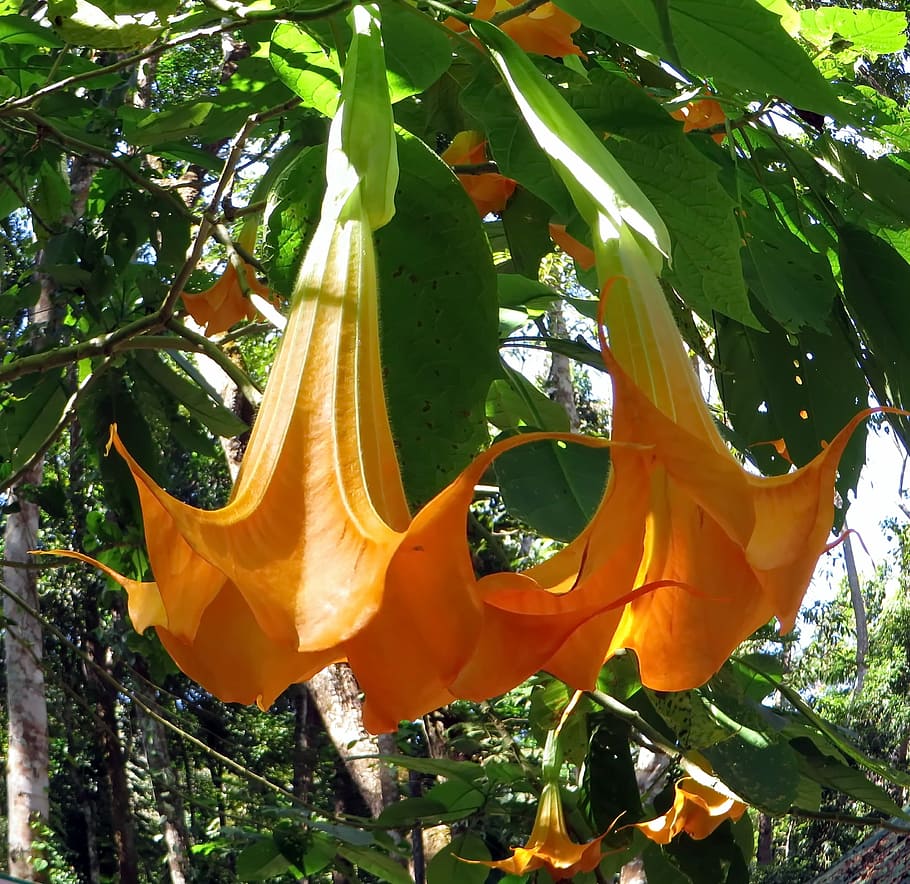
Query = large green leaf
x=307 y=67
x=739 y=43
x=837 y=739
x=765 y=776
x=379 y=864
x=833 y=774
x=554 y=487
x=513 y=402
x=885 y=181
x=683 y=185
x=304 y=59
x=609 y=787
x=201 y=406
x=438 y=306
x=870 y=32
x=30 y=410
x=794 y=284
x=876 y=281
x=802 y=389
x=447 y=866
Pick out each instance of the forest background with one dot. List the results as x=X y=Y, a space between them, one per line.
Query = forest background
x=149 y=149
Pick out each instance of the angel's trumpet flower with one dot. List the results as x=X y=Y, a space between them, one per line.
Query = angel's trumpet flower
x=545 y=30
x=315 y=558
x=226 y=302
x=732 y=549
x=489 y=191
x=698 y=809
x=287 y=576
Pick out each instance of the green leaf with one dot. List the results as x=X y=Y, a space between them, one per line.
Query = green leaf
x=524 y=223
x=378 y=864
x=738 y=43
x=685 y=713
x=21 y=30
x=554 y=487
x=487 y=99
x=466 y=771
x=832 y=774
x=260 y=861
x=447 y=868
x=513 y=402
x=882 y=768
x=619 y=676
x=870 y=32
x=203 y=407
x=303 y=60
x=86 y=24
x=765 y=776
x=410 y=812
x=410 y=71
x=683 y=185
x=659 y=869
x=793 y=282
x=459 y=799
x=34 y=406
x=609 y=787
x=884 y=181
x=306 y=67
x=876 y=279
x=803 y=389
x=111 y=401
x=438 y=307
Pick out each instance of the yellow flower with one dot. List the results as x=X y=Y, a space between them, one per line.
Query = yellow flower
x=225 y=303
x=490 y=191
x=546 y=30
x=550 y=846
x=697 y=810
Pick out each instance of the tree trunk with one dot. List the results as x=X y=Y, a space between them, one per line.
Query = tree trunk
x=559 y=381
x=168 y=799
x=337 y=697
x=859 y=613
x=27 y=759
x=765 y=853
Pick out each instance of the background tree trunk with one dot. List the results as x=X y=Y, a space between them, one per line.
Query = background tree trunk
x=27 y=761
x=337 y=697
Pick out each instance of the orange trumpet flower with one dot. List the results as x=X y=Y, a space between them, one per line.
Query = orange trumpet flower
x=735 y=549
x=703 y=114
x=226 y=302
x=550 y=847
x=697 y=810
x=546 y=30
x=490 y=191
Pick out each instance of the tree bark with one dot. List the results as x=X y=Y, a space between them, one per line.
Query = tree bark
x=168 y=799
x=27 y=781
x=859 y=613
x=337 y=697
x=559 y=381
